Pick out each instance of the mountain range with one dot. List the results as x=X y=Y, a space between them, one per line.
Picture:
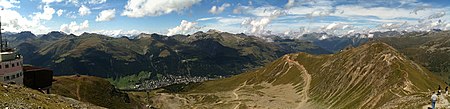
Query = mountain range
x=207 y=54
x=373 y=75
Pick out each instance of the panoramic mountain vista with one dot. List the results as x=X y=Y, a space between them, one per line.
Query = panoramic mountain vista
x=224 y=54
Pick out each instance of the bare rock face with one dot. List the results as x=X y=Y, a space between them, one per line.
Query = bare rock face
x=374 y=75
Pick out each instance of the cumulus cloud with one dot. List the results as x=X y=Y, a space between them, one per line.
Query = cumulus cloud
x=6 y=4
x=296 y=34
x=184 y=28
x=106 y=15
x=16 y=23
x=141 y=8
x=337 y=28
x=46 y=15
x=218 y=10
x=428 y=25
x=73 y=27
x=83 y=11
x=258 y=25
x=59 y=12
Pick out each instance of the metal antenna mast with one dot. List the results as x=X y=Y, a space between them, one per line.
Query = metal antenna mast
x=1 y=36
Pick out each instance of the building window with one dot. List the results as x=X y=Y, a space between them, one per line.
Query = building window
x=6 y=78
x=7 y=66
x=17 y=64
x=13 y=77
x=1 y=66
x=12 y=65
x=18 y=75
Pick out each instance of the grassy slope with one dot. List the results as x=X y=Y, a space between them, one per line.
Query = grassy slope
x=427 y=49
x=357 y=78
x=94 y=90
x=13 y=96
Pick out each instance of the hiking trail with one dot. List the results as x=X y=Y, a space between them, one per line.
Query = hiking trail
x=237 y=96
x=441 y=103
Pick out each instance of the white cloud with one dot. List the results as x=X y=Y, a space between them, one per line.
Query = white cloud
x=106 y=15
x=419 y=8
x=380 y=12
x=82 y=2
x=208 y=18
x=436 y=15
x=96 y=1
x=83 y=11
x=59 y=12
x=241 y=9
x=73 y=27
x=119 y=33
x=16 y=23
x=258 y=25
x=141 y=8
x=296 y=34
x=393 y=26
x=218 y=10
x=289 y=4
x=51 y=1
x=320 y=13
x=447 y=27
x=71 y=14
x=9 y=4
x=264 y=11
x=46 y=15
x=337 y=28
x=184 y=28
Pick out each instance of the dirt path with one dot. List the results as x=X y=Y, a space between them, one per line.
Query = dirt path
x=307 y=78
x=78 y=90
x=442 y=103
x=236 y=96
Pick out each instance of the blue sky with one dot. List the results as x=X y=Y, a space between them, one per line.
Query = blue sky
x=259 y=17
